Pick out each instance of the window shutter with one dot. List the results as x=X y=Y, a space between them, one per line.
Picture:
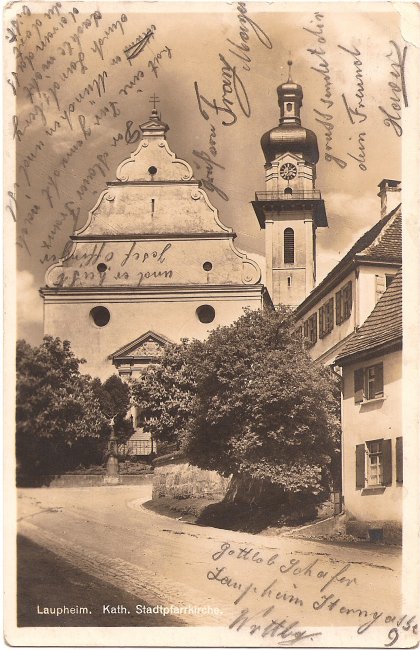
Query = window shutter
x=387 y=462
x=360 y=467
x=379 y=380
x=399 y=458
x=349 y=298
x=338 y=308
x=321 y=321
x=330 y=314
x=359 y=377
x=380 y=286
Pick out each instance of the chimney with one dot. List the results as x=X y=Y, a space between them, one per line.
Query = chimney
x=390 y=195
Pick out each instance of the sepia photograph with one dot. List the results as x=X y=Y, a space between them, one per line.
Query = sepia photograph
x=211 y=236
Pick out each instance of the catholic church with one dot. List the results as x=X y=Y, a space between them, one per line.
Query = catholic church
x=154 y=264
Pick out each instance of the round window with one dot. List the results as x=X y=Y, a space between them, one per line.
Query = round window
x=205 y=314
x=152 y=170
x=207 y=266
x=100 y=316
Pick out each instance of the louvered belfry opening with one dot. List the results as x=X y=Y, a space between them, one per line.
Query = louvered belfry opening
x=289 y=246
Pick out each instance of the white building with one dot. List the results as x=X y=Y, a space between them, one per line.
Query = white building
x=340 y=304
x=372 y=446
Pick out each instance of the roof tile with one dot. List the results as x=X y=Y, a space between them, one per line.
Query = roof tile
x=383 y=242
x=388 y=245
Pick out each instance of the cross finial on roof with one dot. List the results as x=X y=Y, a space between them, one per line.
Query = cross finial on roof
x=154 y=100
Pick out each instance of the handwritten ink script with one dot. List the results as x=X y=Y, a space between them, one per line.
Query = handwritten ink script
x=325 y=114
x=209 y=160
x=105 y=265
x=73 y=86
x=271 y=628
x=289 y=596
x=398 y=97
x=79 y=81
x=234 y=99
x=357 y=113
x=138 y=46
x=234 y=96
x=356 y=108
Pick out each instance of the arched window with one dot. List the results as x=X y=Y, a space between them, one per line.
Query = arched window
x=289 y=246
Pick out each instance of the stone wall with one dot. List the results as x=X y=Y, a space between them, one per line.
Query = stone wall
x=174 y=477
x=95 y=480
x=389 y=532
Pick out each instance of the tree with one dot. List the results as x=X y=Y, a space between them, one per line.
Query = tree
x=114 y=399
x=249 y=402
x=59 y=423
x=165 y=394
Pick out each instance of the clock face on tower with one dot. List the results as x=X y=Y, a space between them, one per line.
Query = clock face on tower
x=288 y=171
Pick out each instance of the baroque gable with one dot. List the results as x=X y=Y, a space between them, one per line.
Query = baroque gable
x=145 y=225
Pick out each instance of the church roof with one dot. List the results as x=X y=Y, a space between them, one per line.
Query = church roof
x=382 y=328
x=382 y=243
x=290 y=136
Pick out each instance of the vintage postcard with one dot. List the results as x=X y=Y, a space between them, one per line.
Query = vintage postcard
x=211 y=226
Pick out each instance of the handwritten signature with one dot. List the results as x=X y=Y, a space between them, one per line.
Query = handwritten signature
x=398 y=87
x=289 y=632
x=234 y=96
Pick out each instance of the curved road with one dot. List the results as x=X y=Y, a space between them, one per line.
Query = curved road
x=259 y=590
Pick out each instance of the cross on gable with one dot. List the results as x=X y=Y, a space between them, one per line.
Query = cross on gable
x=154 y=100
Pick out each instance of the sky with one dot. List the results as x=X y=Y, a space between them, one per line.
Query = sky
x=215 y=68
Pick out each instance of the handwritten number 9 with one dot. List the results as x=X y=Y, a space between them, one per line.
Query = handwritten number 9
x=394 y=636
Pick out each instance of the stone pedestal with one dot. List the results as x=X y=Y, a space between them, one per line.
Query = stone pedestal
x=112 y=480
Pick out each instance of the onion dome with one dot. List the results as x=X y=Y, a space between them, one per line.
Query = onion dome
x=290 y=136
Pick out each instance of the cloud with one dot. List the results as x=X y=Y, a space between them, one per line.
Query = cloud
x=348 y=217
x=29 y=302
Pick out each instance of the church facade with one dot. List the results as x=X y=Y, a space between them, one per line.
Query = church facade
x=153 y=264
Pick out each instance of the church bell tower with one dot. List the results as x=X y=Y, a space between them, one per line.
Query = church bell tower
x=291 y=208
